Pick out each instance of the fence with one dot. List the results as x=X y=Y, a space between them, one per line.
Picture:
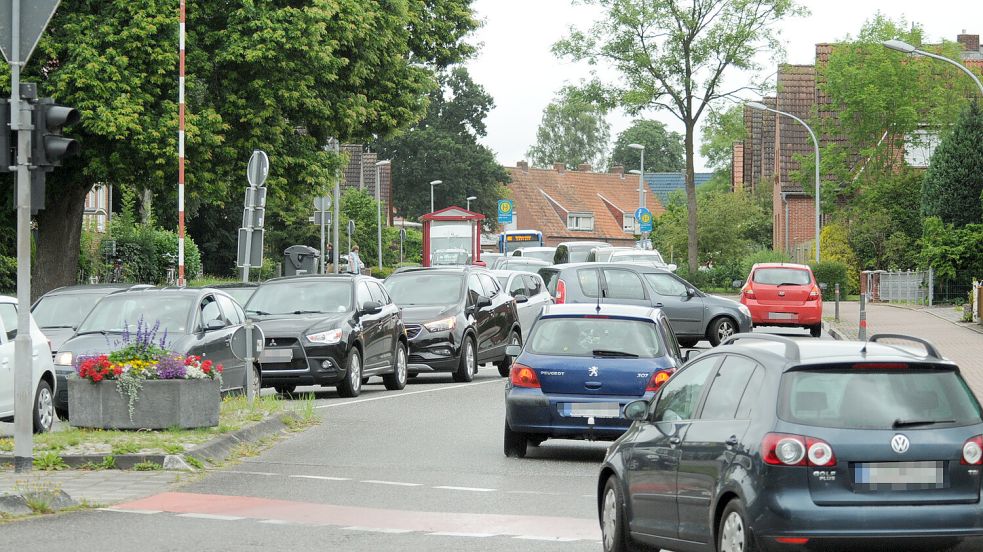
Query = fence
x=905 y=287
x=955 y=290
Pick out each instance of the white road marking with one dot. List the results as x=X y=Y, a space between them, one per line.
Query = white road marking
x=396 y=483
x=321 y=477
x=211 y=516
x=122 y=511
x=545 y=493
x=472 y=489
x=549 y=539
x=380 y=530
x=406 y=394
x=470 y=535
x=253 y=473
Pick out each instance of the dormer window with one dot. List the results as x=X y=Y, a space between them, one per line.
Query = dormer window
x=628 y=222
x=583 y=222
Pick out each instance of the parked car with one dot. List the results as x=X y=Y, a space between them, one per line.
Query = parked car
x=575 y=252
x=694 y=315
x=43 y=379
x=456 y=319
x=776 y=444
x=579 y=367
x=529 y=292
x=643 y=257
x=450 y=257
x=194 y=321
x=782 y=294
x=603 y=254
x=240 y=291
x=331 y=330
x=545 y=254
x=61 y=310
x=490 y=258
x=521 y=264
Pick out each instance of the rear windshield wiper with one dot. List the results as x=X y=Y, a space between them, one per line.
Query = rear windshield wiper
x=790 y=284
x=911 y=423
x=55 y=327
x=605 y=353
x=103 y=332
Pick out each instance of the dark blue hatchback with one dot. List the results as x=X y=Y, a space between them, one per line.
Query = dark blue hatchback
x=578 y=369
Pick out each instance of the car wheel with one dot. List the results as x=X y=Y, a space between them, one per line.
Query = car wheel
x=397 y=380
x=469 y=362
x=285 y=389
x=614 y=526
x=351 y=386
x=734 y=535
x=536 y=440
x=687 y=342
x=721 y=329
x=44 y=408
x=62 y=413
x=506 y=363
x=816 y=331
x=515 y=443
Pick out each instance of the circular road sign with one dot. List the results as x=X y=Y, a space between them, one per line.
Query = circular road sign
x=239 y=342
x=258 y=168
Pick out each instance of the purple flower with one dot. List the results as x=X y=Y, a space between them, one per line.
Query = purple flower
x=171 y=367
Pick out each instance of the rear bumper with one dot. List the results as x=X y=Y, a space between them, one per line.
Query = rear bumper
x=809 y=313
x=532 y=411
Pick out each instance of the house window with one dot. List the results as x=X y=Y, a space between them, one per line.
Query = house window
x=580 y=221
x=919 y=147
x=628 y=222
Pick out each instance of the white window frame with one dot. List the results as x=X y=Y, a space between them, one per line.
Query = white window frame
x=628 y=222
x=575 y=221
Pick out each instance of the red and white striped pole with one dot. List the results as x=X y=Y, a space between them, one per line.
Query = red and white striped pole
x=180 y=155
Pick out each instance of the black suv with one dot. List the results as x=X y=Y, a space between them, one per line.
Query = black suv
x=456 y=319
x=766 y=443
x=328 y=330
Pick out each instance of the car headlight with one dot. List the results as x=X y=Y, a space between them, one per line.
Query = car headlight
x=65 y=358
x=329 y=337
x=441 y=325
x=743 y=308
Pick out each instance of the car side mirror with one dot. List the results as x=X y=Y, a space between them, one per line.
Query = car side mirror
x=671 y=267
x=371 y=307
x=215 y=324
x=520 y=298
x=637 y=411
x=513 y=350
x=737 y=284
x=690 y=354
x=482 y=302
x=690 y=292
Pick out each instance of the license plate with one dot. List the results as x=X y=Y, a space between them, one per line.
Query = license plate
x=781 y=315
x=276 y=355
x=595 y=410
x=899 y=475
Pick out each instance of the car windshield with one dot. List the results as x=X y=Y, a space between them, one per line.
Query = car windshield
x=539 y=255
x=116 y=313
x=604 y=255
x=445 y=257
x=576 y=336
x=241 y=295
x=301 y=297
x=779 y=276
x=650 y=257
x=523 y=266
x=423 y=288
x=877 y=399
x=65 y=310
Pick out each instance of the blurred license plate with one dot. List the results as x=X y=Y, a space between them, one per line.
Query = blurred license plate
x=597 y=410
x=276 y=355
x=781 y=315
x=900 y=475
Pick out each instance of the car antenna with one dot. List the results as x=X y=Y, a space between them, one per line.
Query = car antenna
x=600 y=292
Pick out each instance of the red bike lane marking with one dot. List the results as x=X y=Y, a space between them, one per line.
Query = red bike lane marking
x=374 y=518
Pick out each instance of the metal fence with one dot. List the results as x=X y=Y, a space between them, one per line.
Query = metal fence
x=955 y=290
x=911 y=286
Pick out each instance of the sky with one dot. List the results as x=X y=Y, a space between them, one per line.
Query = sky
x=516 y=66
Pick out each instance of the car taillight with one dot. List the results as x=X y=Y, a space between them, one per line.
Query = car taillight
x=973 y=451
x=561 y=292
x=749 y=293
x=781 y=449
x=814 y=294
x=880 y=366
x=657 y=379
x=523 y=376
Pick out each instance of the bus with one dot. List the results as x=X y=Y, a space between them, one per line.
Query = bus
x=511 y=240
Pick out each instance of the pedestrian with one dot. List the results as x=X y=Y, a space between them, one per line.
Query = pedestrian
x=355 y=264
x=328 y=257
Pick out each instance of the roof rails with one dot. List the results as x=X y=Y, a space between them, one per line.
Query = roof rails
x=930 y=349
x=791 y=347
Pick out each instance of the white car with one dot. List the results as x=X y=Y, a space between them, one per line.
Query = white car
x=43 y=377
x=529 y=292
x=644 y=257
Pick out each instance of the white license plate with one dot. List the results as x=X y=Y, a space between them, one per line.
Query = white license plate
x=276 y=355
x=781 y=315
x=900 y=474
x=596 y=410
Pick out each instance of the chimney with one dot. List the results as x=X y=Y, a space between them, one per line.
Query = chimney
x=583 y=167
x=971 y=43
x=523 y=165
x=617 y=169
x=559 y=167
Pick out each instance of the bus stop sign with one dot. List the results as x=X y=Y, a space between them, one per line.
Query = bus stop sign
x=505 y=208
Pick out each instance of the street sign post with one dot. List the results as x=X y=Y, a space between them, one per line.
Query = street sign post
x=321 y=205
x=644 y=218
x=402 y=240
x=351 y=230
x=505 y=209
x=250 y=250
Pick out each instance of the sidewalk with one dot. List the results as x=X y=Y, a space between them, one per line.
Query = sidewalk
x=960 y=342
x=96 y=487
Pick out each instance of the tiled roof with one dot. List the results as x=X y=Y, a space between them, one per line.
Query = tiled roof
x=796 y=95
x=665 y=182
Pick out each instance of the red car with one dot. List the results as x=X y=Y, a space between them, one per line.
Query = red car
x=781 y=294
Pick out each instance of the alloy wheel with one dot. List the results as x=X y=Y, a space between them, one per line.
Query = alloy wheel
x=46 y=408
x=470 y=356
x=733 y=538
x=401 y=364
x=609 y=519
x=725 y=329
x=355 y=372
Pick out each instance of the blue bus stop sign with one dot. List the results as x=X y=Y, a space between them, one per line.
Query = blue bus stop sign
x=644 y=218
x=505 y=207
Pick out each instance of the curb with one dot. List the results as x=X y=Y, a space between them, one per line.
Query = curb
x=967 y=325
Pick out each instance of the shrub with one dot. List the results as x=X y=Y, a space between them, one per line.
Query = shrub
x=8 y=273
x=831 y=273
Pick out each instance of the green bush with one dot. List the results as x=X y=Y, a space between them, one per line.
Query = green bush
x=8 y=274
x=831 y=273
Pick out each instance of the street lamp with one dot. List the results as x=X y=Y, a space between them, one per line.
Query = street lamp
x=432 y=184
x=815 y=142
x=378 y=204
x=469 y=199
x=641 y=173
x=905 y=48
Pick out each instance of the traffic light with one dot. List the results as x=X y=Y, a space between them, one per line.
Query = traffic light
x=48 y=146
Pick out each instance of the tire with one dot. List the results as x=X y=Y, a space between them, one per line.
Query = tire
x=816 y=331
x=351 y=386
x=614 y=527
x=469 y=362
x=285 y=389
x=515 y=443
x=505 y=364
x=397 y=380
x=688 y=342
x=720 y=329
x=733 y=533
x=62 y=413
x=536 y=440
x=44 y=408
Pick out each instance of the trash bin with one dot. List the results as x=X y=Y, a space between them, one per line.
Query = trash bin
x=300 y=259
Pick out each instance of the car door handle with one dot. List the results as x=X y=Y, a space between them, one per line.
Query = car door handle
x=732 y=442
x=674 y=441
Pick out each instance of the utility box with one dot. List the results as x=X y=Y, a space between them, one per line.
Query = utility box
x=300 y=259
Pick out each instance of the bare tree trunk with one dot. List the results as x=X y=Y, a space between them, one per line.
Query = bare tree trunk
x=691 y=199
x=59 y=225
x=146 y=206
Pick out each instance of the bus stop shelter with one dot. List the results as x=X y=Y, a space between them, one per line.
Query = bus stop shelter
x=452 y=233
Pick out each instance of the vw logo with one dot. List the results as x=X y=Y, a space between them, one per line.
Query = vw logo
x=592 y=371
x=900 y=444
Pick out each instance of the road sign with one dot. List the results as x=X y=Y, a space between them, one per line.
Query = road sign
x=351 y=227
x=258 y=168
x=505 y=208
x=322 y=203
x=239 y=342
x=316 y=219
x=644 y=218
x=34 y=18
x=255 y=197
x=254 y=217
x=255 y=257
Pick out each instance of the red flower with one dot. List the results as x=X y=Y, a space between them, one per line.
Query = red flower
x=219 y=368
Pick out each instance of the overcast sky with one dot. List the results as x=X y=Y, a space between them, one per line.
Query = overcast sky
x=517 y=68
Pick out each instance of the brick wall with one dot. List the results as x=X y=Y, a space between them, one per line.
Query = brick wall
x=802 y=222
x=737 y=167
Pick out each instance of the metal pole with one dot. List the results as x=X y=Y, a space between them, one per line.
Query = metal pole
x=837 y=292
x=251 y=201
x=862 y=331
x=324 y=261
x=180 y=154
x=250 y=361
x=641 y=181
x=431 y=197
x=956 y=63
x=337 y=216
x=378 y=211
x=23 y=344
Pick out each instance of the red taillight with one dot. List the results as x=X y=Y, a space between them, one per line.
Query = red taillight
x=792 y=540
x=657 y=379
x=561 y=292
x=781 y=449
x=749 y=293
x=880 y=366
x=814 y=294
x=523 y=376
x=973 y=451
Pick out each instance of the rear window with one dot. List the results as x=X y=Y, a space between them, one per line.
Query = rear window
x=877 y=399
x=583 y=336
x=550 y=277
x=779 y=276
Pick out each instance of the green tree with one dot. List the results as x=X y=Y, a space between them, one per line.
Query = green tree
x=674 y=56
x=954 y=181
x=720 y=131
x=663 y=149
x=573 y=131
x=444 y=146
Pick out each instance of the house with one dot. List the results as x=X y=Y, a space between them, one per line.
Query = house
x=662 y=184
x=98 y=208
x=572 y=205
x=360 y=173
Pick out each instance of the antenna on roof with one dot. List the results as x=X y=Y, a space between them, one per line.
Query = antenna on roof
x=600 y=292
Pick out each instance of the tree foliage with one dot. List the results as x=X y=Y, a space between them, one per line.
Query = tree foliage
x=573 y=130
x=663 y=149
x=950 y=250
x=720 y=131
x=954 y=181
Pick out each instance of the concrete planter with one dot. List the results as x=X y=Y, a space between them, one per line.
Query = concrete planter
x=160 y=404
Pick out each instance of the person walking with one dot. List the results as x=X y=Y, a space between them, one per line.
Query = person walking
x=355 y=264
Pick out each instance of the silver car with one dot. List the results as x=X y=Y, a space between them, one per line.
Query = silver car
x=529 y=292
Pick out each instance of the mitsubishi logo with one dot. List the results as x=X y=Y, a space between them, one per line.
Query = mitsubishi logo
x=900 y=444
x=272 y=343
x=592 y=371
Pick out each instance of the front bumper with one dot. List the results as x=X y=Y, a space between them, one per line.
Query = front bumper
x=433 y=352
x=309 y=364
x=809 y=313
x=61 y=386
x=532 y=411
